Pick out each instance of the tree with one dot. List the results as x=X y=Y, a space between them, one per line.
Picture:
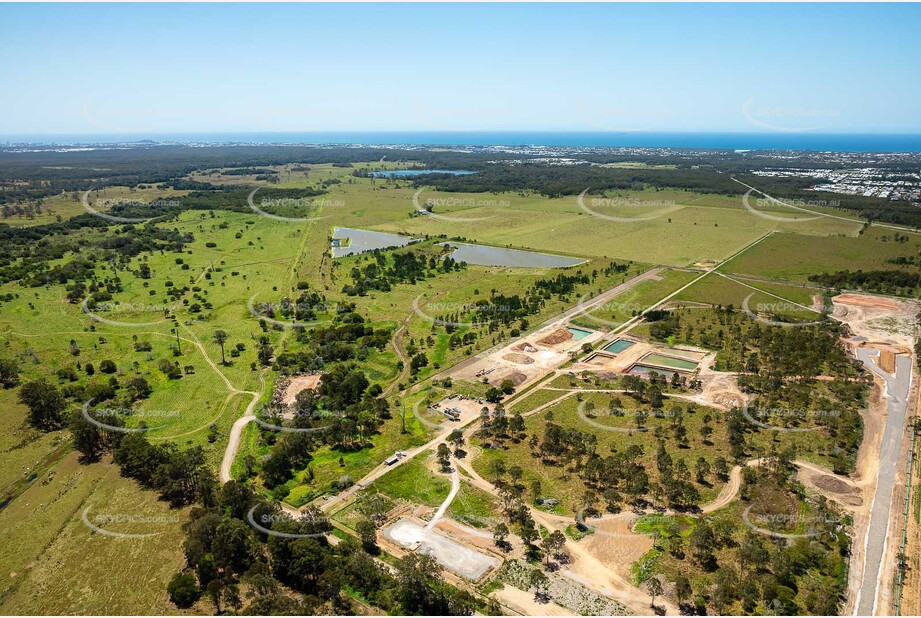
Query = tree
x=183 y=590
x=683 y=590
x=90 y=440
x=536 y=490
x=456 y=438
x=702 y=468
x=554 y=543
x=497 y=467
x=9 y=373
x=418 y=361
x=540 y=582
x=655 y=589
x=45 y=402
x=444 y=457
x=139 y=388
x=220 y=338
x=367 y=532
x=721 y=467
x=529 y=534
x=703 y=542
x=500 y=537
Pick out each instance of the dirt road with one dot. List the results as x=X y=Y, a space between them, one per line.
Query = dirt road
x=878 y=532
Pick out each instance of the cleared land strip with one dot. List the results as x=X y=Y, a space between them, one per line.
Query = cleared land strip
x=896 y=391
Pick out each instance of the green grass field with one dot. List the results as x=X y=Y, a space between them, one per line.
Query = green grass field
x=793 y=257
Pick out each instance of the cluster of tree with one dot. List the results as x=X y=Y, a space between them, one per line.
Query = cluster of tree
x=500 y=310
x=497 y=426
x=247 y=171
x=390 y=268
x=735 y=570
x=781 y=366
x=520 y=521
x=343 y=413
x=347 y=338
x=294 y=570
x=24 y=257
x=557 y=181
x=36 y=174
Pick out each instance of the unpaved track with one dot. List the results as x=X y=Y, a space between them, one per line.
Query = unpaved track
x=233 y=442
x=455 y=487
x=401 y=354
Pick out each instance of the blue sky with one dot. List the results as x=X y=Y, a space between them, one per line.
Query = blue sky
x=161 y=68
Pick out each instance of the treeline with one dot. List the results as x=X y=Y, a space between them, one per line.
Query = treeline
x=31 y=175
x=559 y=181
x=895 y=282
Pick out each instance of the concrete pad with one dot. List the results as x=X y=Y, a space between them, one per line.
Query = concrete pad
x=450 y=554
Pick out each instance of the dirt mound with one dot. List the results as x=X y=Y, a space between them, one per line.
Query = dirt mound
x=833 y=485
x=558 y=336
x=516 y=377
x=727 y=399
x=521 y=359
x=525 y=347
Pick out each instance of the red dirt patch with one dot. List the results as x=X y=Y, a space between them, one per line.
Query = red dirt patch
x=298 y=384
x=558 y=336
x=866 y=301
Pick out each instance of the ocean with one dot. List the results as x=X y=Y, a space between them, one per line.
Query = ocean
x=836 y=142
